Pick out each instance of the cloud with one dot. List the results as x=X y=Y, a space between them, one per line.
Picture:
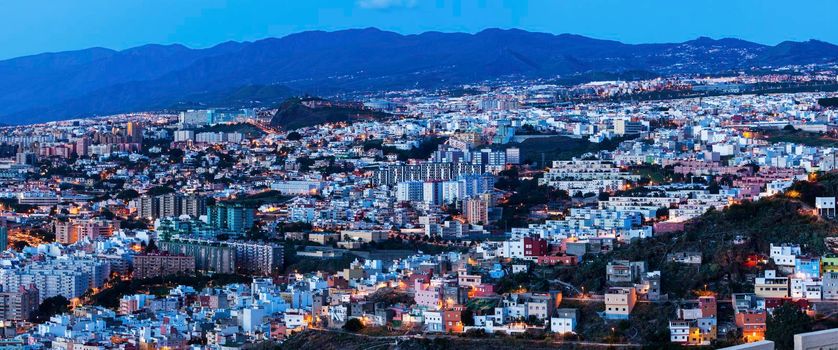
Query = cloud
x=385 y=4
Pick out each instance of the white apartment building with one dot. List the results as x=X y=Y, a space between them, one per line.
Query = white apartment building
x=784 y=254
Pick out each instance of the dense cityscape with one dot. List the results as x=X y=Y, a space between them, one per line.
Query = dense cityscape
x=418 y=175
x=446 y=217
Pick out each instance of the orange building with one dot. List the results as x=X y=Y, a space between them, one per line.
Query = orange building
x=752 y=324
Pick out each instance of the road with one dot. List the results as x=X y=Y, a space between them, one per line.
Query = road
x=567 y=285
x=399 y=338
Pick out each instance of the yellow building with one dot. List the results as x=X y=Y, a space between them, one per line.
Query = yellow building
x=771 y=286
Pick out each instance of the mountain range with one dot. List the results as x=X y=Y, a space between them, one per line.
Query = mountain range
x=100 y=81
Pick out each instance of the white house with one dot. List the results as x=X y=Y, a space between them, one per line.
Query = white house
x=784 y=254
x=564 y=321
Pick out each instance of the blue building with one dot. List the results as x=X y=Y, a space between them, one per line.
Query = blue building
x=4 y=236
x=808 y=267
x=231 y=217
x=496 y=271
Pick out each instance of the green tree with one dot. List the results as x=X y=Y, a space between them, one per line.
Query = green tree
x=50 y=307
x=151 y=247
x=662 y=212
x=107 y=214
x=467 y=316
x=786 y=321
x=353 y=325
x=159 y=190
x=127 y=195
x=176 y=155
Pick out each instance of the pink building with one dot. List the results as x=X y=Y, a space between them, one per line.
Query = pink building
x=557 y=260
x=483 y=290
x=669 y=226
x=427 y=295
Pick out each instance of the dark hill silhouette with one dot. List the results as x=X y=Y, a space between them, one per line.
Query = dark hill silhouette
x=293 y=114
x=100 y=81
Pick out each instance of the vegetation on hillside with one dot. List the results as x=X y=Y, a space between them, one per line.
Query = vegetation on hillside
x=159 y=191
x=824 y=185
x=237 y=97
x=109 y=297
x=310 y=265
x=560 y=148
x=799 y=137
x=292 y=114
x=725 y=263
x=786 y=321
x=334 y=340
x=755 y=224
x=426 y=147
x=524 y=194
x=257 y=199
x=828 y=102
x=50 y=307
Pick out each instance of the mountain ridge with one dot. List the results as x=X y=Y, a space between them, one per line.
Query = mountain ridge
x=99 y=81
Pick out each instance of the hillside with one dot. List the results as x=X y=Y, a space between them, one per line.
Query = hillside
x=292 y=114
x=101 y=81
x=322 y=340
x=755 y=224
x=798 y=137
x=241 y=97
x=552 y=148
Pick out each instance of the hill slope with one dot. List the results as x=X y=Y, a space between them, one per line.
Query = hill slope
x=292 y=114
x=102 y=81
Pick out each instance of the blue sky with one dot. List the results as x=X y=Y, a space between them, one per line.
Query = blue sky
x=34 y=26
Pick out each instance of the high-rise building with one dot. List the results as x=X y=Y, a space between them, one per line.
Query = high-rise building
x=89 y=231
x=257 y=258
x=19 y=304
x=134 y=132
x=4 y=235
x=210 y=255
x=193 y=205
x=476 y=210
x=429 y=171
x=170 y=205
x=147 y=207
x=493 y=157
x=82 y=145
x=231 y=217
x=409 y=191
x=627 y=127
x=50 y=280
x=432 y=192
x=158 y=265
x=513 y=155
x=250 y=257
x=26 y=158
x=69 y=232
x=197 y=117
x=184 y=135
x=452 y=191
x=65 y=233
